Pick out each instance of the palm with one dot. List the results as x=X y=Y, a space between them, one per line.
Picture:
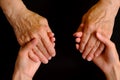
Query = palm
x=107 y=58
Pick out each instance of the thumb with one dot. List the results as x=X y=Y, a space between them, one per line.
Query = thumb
x=107 y=42
x=29 y=45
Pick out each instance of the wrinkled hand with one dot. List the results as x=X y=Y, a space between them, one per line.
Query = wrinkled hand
x=24 y=64
x=99 y=18
x=28 y=25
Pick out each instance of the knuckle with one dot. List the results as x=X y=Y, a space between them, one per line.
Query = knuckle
x=83 y=42
x=90 y=46
x=43 y=21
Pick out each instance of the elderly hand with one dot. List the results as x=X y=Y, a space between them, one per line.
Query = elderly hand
x=28 y=25
x=99 y=18
x=31 y=25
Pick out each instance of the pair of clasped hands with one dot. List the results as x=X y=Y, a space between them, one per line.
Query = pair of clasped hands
x=37 y=40
x=107 y=61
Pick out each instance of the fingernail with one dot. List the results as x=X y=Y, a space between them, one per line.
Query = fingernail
x=49 y=58
x=89 y=58
x=81 y=51
x=46 y=61
x=83 y=56
x=53 y=55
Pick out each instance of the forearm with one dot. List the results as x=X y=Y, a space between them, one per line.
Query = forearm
x=113 y=5
x=115 y=2
x=12 y=8
x=18 y=75
x=114 y=73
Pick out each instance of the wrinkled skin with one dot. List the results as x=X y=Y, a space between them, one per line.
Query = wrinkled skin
x=28 y=25
x=97 y=19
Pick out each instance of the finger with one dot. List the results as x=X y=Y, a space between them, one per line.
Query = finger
x=77 y=46
x=43 y=50
x=88 y=47
x=29 y=46
x=84 y=40
x=90 y=56
x=77 y=34
x=54 y=44
x=50 y=34
x=48 y=45
x=42 y=58
x=33 y=57
x=77 y=40
x=52 y=39
x=99 y=50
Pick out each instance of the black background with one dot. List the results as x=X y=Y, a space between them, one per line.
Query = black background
x=64 y=18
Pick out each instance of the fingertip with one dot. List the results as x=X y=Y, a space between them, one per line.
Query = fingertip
x=51 y=34
x=82 y=24
x=83 y=56
x=54 y=54
x=89 y=59
x=53 y=39
x=77 y=34
x=50 y=58
x=46 y=62
x=77 y=46
x=77 y=40
x=74 y=34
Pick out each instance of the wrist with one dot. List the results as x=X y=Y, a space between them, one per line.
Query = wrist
x=113 y=2
x=19 y=75
x=113 y=73
x=112 y=7
x=12 y=8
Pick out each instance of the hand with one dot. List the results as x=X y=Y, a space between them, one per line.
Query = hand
x=24 y=65
x=109 y=57
x=108 y=61
x=97 y=19
x=28 y=25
